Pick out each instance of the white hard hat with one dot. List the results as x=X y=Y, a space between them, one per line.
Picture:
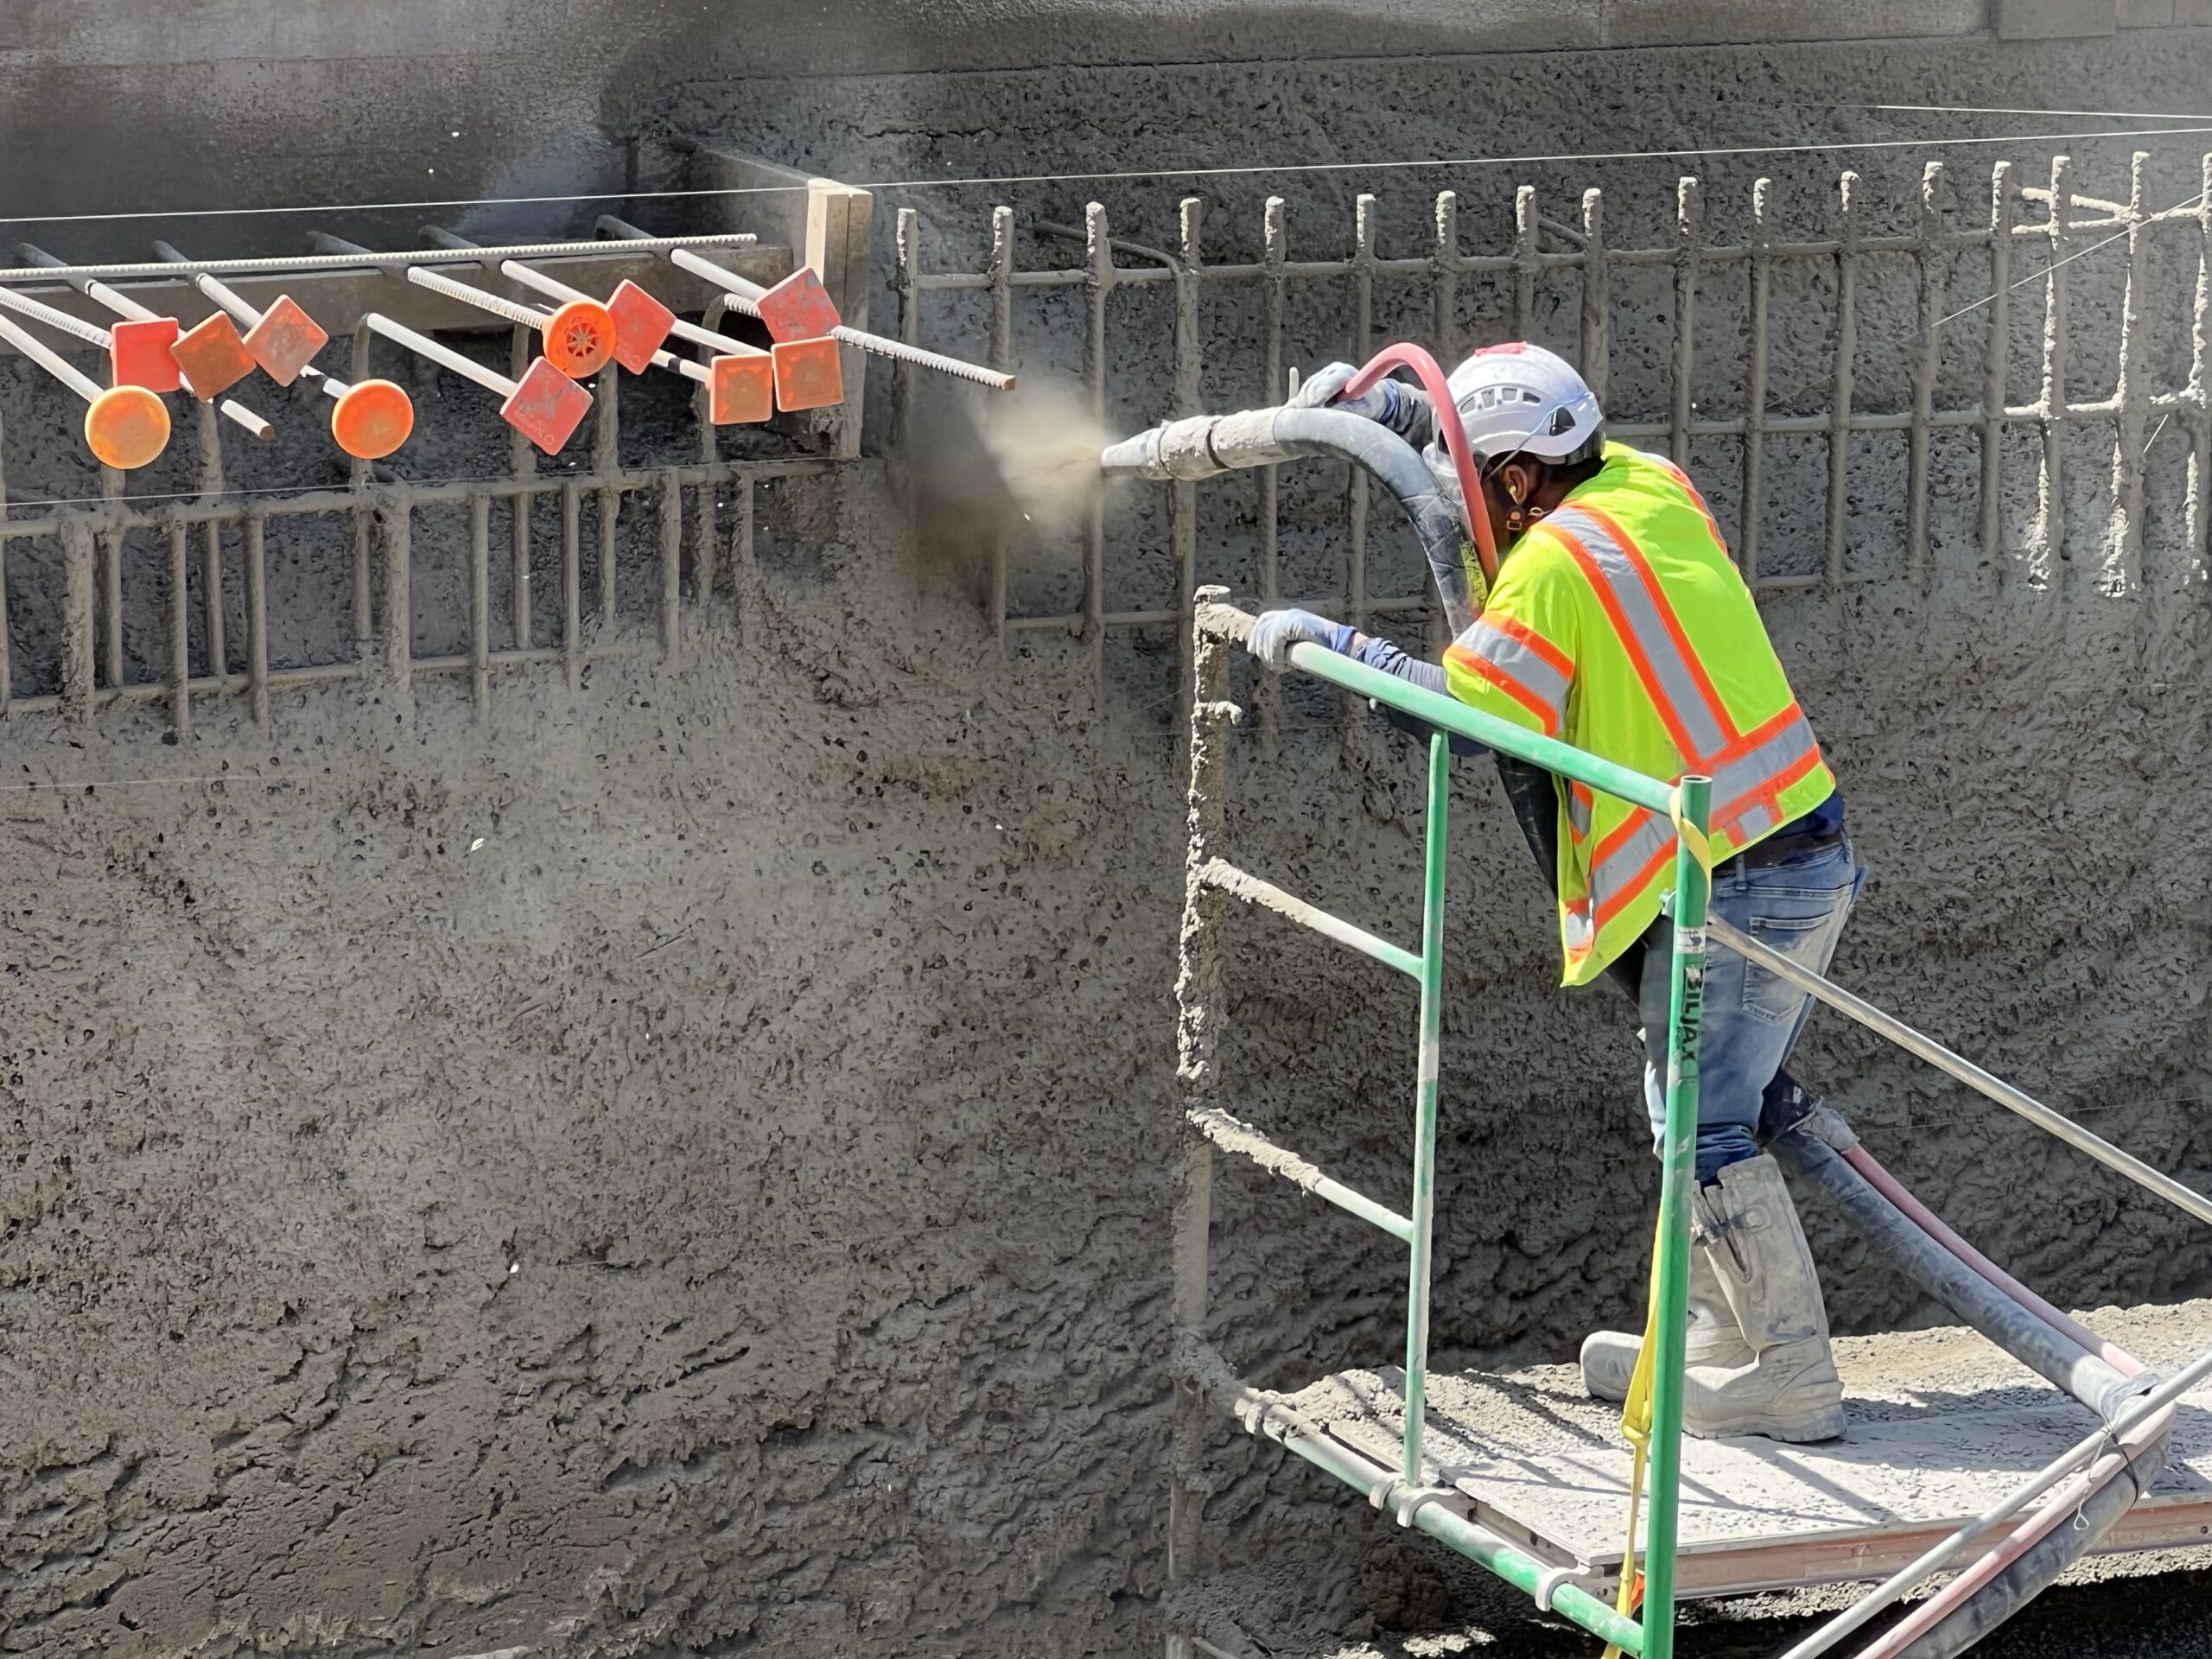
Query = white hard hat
x=1516 y=398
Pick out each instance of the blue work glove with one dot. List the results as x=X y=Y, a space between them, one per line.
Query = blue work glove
x=1275 y=632
x=1402 y=408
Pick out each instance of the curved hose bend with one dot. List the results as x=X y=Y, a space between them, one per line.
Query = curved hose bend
x=1205 y=445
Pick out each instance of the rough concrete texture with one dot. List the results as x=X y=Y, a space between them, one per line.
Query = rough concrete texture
x=725 y=1208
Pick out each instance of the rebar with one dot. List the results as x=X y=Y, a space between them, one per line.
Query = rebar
x=289 y=264
x=745 y=295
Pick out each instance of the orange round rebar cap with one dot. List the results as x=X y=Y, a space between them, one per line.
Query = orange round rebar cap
x=580 y=338
x=126 y=427
x=373 y=418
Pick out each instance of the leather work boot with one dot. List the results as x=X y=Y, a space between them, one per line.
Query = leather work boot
x=1609 y=1357
x=1758 y=1356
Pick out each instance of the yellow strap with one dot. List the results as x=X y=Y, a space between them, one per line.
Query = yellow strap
x=1635 y=1413
x=1693 y=838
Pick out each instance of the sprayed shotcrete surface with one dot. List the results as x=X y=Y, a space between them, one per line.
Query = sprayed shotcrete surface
x=684 y=1169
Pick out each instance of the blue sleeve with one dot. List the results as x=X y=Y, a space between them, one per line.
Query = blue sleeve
x=1382 y=655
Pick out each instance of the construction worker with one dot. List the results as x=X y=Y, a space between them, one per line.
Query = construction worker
x=1618 y=624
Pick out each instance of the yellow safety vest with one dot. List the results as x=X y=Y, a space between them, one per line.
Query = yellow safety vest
x=1620 y=625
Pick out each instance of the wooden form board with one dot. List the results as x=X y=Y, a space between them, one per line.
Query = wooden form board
x=1544 y=1467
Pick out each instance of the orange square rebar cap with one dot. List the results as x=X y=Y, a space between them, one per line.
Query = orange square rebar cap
x=641 y=323
x=741 y=388
x=286 y=340
x=809 y=373
x=546 y=406
x=139 y=353
x=212 y=356
x=798 y=308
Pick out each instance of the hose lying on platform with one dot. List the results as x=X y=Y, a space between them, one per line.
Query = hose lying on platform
x=2051 y=1354
x=1205 y=445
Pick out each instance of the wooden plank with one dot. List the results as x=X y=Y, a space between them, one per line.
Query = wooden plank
x=336 y=299
x=1942 y=1426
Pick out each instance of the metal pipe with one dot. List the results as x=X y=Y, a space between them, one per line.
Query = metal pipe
x=746 y=296
x=578 y=339
x=287 y=264
x=370 y=420
x=123 y=306
x=1966 y=1072
x=1435 y=869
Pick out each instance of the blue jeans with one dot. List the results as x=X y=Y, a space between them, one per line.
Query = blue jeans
x=1752 y=1018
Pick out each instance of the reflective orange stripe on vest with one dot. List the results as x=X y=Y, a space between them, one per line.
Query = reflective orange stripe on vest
x=1749 y=769
x=1521 y=663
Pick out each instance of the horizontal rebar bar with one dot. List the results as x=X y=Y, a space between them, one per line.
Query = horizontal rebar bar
x=1232 y=1134
x=1253 y=890
x=1965 y=1070
x=284 y=264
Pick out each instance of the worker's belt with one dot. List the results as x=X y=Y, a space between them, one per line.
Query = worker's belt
x=1781 y=849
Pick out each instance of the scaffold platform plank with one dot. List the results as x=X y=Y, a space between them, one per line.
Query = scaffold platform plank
x=1941 y=1426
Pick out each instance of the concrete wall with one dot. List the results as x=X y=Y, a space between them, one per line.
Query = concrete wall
x=683 y=1169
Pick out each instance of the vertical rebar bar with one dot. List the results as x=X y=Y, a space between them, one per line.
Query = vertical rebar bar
x=1001 y=350
x=1445 y=260
x=364 y=517
x=398 y=520
x=1527 y=231
x=605 y=459
x=253 y=558
x=177 y=598
x=1274 y=253
x=1362 y=342
x=572 y=583
x=671 y=562
x=1597 y=296
x=1098 y=282
x=1183 y=495
x=2123 y=571
x=1753 y=508
x=2197 y=410
x=907 y=278
x=1997 y=363
x=747 y=596
x=479 y=604
x=1933 y=270
x=1200 y=1012
x=705 y=540
x=111 y=551
x=1678 y=1181
x=7 y=654
x=79 y=648
x=1422 y=1210
x=1689 y=212
x=1846 y=359
x=2051 y=487
x=522 y=462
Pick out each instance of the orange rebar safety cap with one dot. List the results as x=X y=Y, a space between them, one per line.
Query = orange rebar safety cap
x=740 y=389
x=139 y=353
x=372 y=419
x=285 y=340
x=125 y=427
x=641 y=323
x=809 y=373
x=212 y=356
x=546 y=407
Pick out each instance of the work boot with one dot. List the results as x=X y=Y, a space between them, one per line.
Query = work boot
x=1748 y=1230
x=1609 y=1357
x=1758 y=1344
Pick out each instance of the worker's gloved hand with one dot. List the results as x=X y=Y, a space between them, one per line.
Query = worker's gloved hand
x=1393 y=404
x=1275 y=633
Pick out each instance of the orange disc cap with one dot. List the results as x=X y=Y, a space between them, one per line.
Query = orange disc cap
x=373 y=418
x=580 y=338
x=126 y=427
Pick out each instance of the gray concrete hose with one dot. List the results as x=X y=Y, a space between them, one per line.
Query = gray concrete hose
x=1206 y=446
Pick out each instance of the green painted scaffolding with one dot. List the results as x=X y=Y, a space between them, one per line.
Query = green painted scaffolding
x=1211 y=879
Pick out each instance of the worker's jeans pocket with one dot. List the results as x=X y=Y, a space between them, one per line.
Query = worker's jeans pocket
x=1796 y=911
